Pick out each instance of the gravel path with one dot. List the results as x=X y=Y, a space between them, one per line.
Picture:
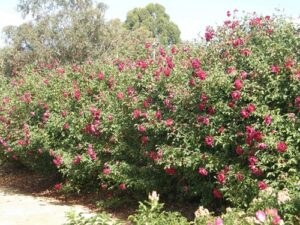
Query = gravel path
x=20 y=205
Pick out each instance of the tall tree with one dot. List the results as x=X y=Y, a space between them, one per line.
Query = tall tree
x=155 y=19
x=64 y=30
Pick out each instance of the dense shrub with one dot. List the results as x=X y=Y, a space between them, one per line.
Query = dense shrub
x=217 y=122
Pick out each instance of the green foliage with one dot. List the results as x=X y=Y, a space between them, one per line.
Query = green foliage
x=154 y=19
x=99 y=219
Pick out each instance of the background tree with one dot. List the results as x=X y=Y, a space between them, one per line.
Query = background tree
x=155 y=19
x=70 y=31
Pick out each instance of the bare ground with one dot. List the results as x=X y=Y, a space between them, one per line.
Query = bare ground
x=28 y=199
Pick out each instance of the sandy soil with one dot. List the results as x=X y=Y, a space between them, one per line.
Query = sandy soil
x=22 y=201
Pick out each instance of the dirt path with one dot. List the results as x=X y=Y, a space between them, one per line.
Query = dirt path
x=19 y=209
x=23 y=201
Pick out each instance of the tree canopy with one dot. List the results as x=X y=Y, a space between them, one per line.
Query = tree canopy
x=65 y=30
x=155 y=19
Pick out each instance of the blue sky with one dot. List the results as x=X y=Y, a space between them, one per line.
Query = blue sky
x=192 y=16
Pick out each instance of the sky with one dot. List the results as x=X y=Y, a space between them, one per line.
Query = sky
x=191 y=16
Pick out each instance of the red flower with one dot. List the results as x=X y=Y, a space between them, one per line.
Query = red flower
x=77 y=94
x=262 y=185
x=170 y=171
x=57 y=186
x=281 y=147
x=202 y=171
x=201 y=106
x=209 y=141
x=239 y=176
x=228 y=13
x=217 y=194
x=239 y=150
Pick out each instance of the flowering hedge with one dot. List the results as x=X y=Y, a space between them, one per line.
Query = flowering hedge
x=217 y=121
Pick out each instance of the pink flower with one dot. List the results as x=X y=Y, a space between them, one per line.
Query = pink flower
x=57 y=161
x=202 y=171
x=244 y=113
x=66 y=126
x=238 y=84
x=221 y=177
x=209 y=141
x=167 y=71
x=77 y=94
x=136 y=114
x=201 y=74
x=243 y=75
x=121 y=66
x=281 y=147
x=122 y=187
x=158 y=115
x=169 y=122
x=251 y=108
x=268 y=120
x=235 y=95
x=261 y=146
x=120 y=95
x=276 y=220
x=237 y=42
x=275 y=69
x=141 y=128
x=209 y=33
x=77 y=159
x=195 y=64
x=106 y=171
x=260 y=216
x=100 y=76
x=219 y=221
x=262 y=185
x=230 y=70
x=228 y=13
x=246 y=52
